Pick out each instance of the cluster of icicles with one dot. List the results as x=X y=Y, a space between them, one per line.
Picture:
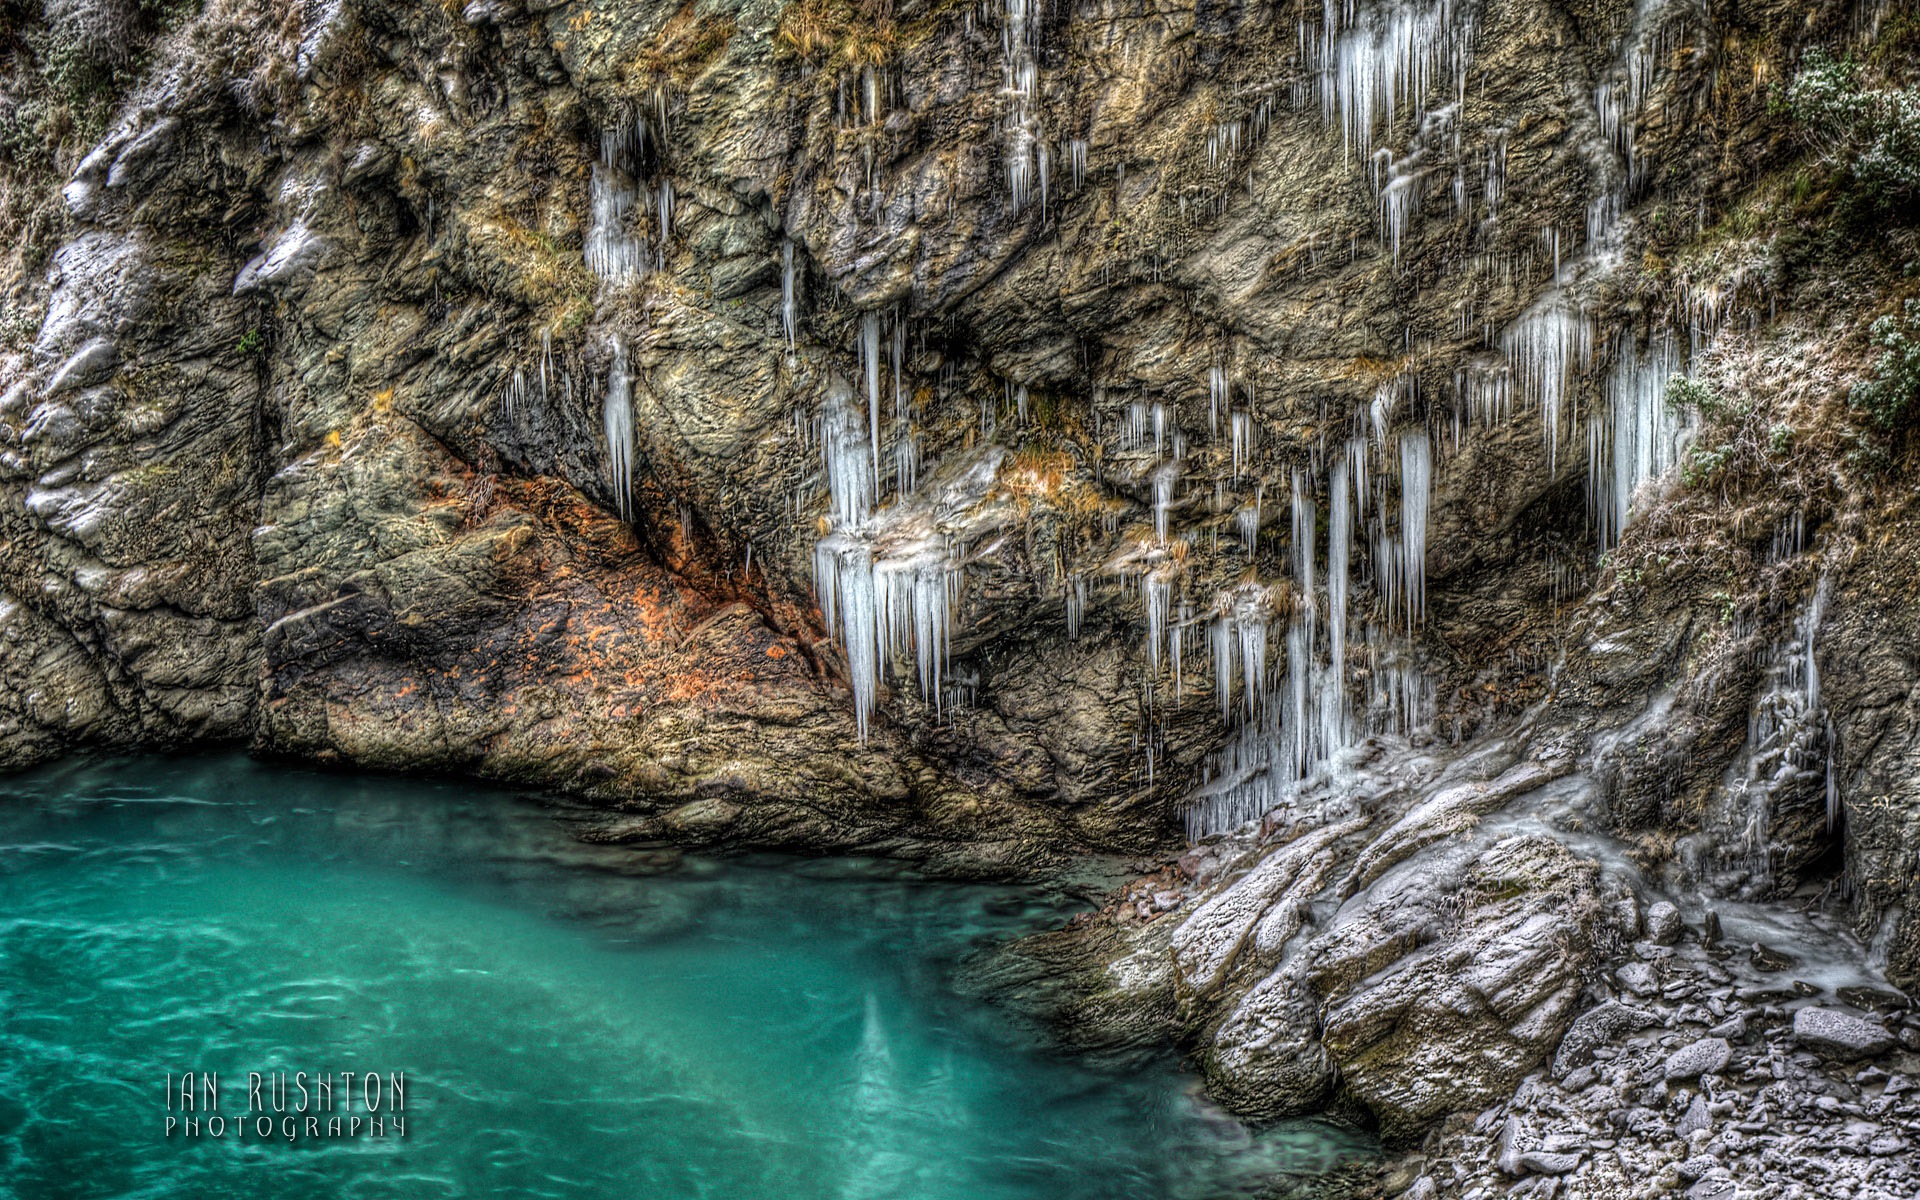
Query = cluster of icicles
x=1295 y=710
x=1296 y=706
x=1370 y=65
x=617 y=246
x=1029 y=155
x=618 y=253
x=887 y=580
x=1633 y=434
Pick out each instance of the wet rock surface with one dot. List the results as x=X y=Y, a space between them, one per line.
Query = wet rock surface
x=990 y=435
x=1499 y=965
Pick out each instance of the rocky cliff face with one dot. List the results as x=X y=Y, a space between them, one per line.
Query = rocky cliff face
x=989 y=431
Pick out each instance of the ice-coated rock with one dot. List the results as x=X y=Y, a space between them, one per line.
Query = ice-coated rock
x=1257 y=913
x=90 y=364
x=1707 y=1056
x=1545 y=1162
x=1839 y=1035
x=1597 y=1027
x=297 y=249
x=1639 y=977
x=1662 y=923
x=1714 y=1187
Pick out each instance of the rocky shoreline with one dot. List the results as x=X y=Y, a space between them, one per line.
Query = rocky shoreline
x=1513 y=1019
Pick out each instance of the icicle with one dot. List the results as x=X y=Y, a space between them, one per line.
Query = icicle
x=1642 y=438
x=1155 y=595
x=1176 y=645
x=1250 y=624
x=1303 y=538
x=1416 y=487
x=546 y=363
x=611 y=252
x=1357 y=458
x=1299 y=667
x=849 y=469
x=1165 y=477
x=1399 y=204
x=843 y=581
x=617 y=419
x=1223 y=636
x=1339 y=548
x=870 y=368
x=1547 y=347
x=789 y=295
x=1247 y=519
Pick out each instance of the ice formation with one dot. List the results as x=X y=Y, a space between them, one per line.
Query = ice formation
x=1546 y=349
x=1298 y=718
x=789 y=295
x=1025 y=153
x=1637 y=437
x=887 y=579
x=513 y=397
x=613 y=253
x=1377 y=62
x=1788 y=752
x=617 y=419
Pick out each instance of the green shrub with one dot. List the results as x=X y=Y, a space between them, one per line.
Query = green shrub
x=1873 y=133
x=1687 y=394
x=1705 y=464
x=1888 y=398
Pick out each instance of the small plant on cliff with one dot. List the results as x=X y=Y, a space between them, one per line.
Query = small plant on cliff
x=251 y=342
x=822 y=30
x=1872 y=133
x=1888 y=398
x=1687 y=394
x=1736 y=442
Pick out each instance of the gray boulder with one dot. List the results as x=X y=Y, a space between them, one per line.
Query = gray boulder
x=1707 y=1056
x=1663 y=923
x=1839 y=1035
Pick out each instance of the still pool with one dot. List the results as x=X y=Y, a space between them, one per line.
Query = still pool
x=572 y=1020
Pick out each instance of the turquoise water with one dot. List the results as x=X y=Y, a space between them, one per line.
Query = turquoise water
x=572 y=1020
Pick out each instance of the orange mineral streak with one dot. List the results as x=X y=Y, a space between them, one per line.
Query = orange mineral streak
x=600 y=631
